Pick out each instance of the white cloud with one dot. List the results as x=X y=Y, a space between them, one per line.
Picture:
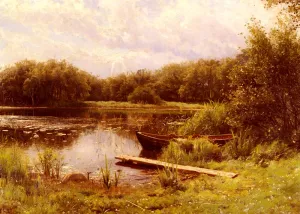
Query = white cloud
x=99 y=34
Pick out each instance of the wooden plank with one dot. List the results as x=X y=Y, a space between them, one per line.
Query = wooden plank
x=145 y=161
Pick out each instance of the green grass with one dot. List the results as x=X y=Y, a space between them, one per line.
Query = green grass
x=107 y=176
x=13 y=165
x=128 y=105
x=210 y=120
x=274 y=189
x=196 y=152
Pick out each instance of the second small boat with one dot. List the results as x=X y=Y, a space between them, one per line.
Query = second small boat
x=151 y=141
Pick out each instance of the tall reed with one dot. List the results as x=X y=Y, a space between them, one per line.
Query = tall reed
x=13 y=164
x=106 y=175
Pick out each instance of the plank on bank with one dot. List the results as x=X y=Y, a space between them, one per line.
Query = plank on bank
x=145 y=161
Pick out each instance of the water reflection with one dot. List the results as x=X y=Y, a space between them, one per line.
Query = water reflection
x=84 y=136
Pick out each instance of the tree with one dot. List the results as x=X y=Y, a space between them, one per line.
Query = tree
x=266 y=96
x=170 y=78
x=201 y=83
x=143 y=94
x=44 y=83
x=31 y=88
x=291 y=6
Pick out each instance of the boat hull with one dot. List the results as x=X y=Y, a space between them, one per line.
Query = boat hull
x=151 y=141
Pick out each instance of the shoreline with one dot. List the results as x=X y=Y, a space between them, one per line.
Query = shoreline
x=111 y=105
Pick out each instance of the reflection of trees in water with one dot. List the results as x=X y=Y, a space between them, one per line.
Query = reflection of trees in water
x=63 y=132
x=56 y=138
x=157 y=123
x=132 y=122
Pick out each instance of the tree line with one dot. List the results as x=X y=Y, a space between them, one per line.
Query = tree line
x=44 y=83
x=48 y=83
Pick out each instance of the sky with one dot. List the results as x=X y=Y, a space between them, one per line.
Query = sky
x=107 y=37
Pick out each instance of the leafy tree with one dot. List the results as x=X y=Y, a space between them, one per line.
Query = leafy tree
x=266 y=96
x=12 y=80
x=201 y=82
x=223 y=86
x=31 y=87
x=51 y=82
x=143 y=94
x=291 y=6
x=170 y=78
x=96 y=92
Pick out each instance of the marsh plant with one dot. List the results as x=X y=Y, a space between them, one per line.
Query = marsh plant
x=13 y=164
x=50 y=163
x=173 y=153
x=109 y=179
x=264 y=153
x=168 y=176
x=241 y=146
x=209 y=120
x=192 y=152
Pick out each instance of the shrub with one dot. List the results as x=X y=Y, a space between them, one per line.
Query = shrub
x=192 y=152
x=144 y=95
x=168 y=176
x=13 y=164
x=241 y=146
x=205 y=151
x=263 y=153
x=173 y=153
x=210 y=120
x=50 y=163
x=107 y=177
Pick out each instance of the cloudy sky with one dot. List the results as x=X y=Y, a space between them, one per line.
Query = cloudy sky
x=112 y=36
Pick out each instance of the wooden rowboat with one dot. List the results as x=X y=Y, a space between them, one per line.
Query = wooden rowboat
x=151 y=141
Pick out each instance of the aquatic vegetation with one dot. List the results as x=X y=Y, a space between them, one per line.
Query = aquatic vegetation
x=194 y=152
x=211 y=119
x=241 y=146
x=168 y=176
x=173 y=153
x=13 y=164
x=50 y=163
x=106 y=176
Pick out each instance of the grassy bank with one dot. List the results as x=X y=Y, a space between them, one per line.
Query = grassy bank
x=112 y=105
x=128 y=105
x=257 y=189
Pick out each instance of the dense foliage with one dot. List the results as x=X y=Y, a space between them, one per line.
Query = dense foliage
x=290 y=6
x=144 y=95
x=210 y=120
x=266 y=96
x=43 y=83
x=58 y=82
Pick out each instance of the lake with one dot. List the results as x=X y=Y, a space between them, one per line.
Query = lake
x=84 y=136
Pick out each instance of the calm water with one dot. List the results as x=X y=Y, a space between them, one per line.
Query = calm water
x=85 y=136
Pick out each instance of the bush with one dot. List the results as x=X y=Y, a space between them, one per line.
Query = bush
x=168 y=177
x=173 y=153
x=205 y=151
x=192 y=152
x=13 y=164
x=50 y=163
x=265 y=153
x=241 y=146
x=210 y=120
x=144 y=95
x=107 y=176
